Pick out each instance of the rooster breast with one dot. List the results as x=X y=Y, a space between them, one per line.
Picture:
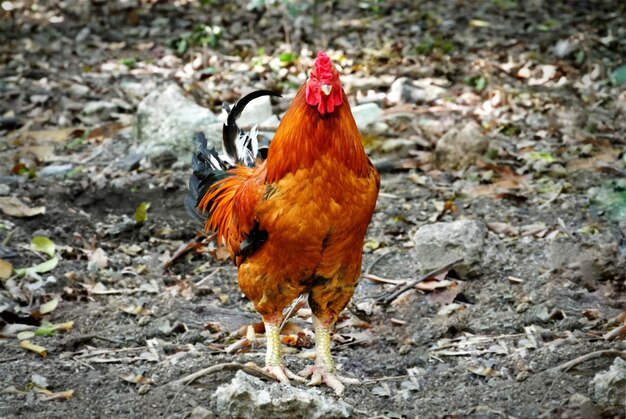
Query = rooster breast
x=315 y=219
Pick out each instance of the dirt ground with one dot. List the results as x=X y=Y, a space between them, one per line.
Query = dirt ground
x=550 y=282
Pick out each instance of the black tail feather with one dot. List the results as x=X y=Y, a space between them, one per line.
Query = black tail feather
x=208 y=169
x=231 y=131
x=207 y=166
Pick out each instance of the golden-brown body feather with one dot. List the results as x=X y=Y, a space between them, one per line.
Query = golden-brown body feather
x=314 y=196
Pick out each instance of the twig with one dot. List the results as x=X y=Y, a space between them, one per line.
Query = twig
x=9 y=236
x=292 y=309
x=378 y=280
x=378 y=259
x=249 y=367
x=15 y=358
x=553 y=197
x=607 y=353
x=209 y=276
x=564 y=229
x=409 y=285
x=563 y=368
x=615 y=332
x=378 y=380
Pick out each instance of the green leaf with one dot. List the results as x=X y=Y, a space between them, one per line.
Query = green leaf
x=129 y=62
x=541 y=155
x=47 y=329
x=287 y=57
x=579 y=57
x=41 y=268
x=182 y=46
x=141 y=213
x=77 y=171
x=618 y=76
x=43 y=244
x=478 y=83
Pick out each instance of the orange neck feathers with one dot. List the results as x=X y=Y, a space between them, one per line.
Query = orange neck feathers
x=305 y=136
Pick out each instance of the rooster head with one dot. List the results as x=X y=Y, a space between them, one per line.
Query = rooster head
x=323 y=88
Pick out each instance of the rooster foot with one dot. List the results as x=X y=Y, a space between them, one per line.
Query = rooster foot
x=282 y=374
x=320 y=374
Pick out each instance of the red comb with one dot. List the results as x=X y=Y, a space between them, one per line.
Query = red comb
x=323 y=64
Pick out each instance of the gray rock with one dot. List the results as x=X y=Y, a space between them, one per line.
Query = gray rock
x=404 y=90
x=366 y=114
x=609 y=386
x=129 y=162
x=78 y=90
x=397 y=144
x=458 y=149
x=136 y=91
x=439 y=244
x=167 y=121
x=270 y=123
x=55 y=170
x=366 y=83
x=564 y=47
x=256 y=112
x=588 y=260
x=248 y=397
x=103 y=108
x=200 y=412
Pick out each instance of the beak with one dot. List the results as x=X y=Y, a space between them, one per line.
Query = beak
x=326 y=88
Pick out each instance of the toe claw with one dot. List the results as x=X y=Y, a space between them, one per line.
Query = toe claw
x=282 y=374
x=294 y=376
x=320 y=374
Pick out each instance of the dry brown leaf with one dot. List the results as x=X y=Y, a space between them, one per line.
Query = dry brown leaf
x=62 y=395
x=49 y=306
x=353 y=322
x=41 y=152
x=53 y=135
x=136 y=310
x=433 y=285
x=29 y=346
x=483 y=371
x=13 y=207
x=136 y=378
x=6 y=270
x=258 y=327
x=97 y=259
x=503 y=228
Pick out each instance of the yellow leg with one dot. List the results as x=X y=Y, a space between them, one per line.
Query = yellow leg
x=273 y=355
x=323 y=356
x=273 y=360
x=324 y=370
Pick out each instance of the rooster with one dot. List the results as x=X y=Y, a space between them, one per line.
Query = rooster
x=295 y=222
